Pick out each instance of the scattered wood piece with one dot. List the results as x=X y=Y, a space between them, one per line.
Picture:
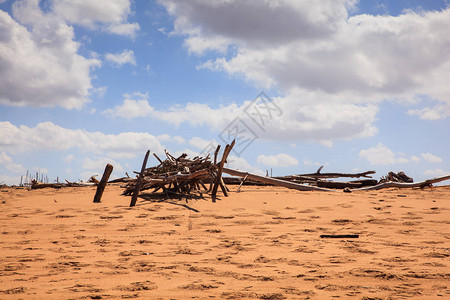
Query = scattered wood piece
x=37 y=185
x=339 y=236
x=420 y=184
x=139 y=181
x=243 y=180
x=102 y=184
x=337 y=175
x=219 y=181
x=274 y=181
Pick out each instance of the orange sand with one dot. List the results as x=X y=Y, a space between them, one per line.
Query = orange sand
x=261 y=243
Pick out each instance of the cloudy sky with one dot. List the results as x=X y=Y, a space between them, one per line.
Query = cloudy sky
x=351 y=85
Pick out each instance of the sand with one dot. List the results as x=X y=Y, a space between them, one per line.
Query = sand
x=262 y=243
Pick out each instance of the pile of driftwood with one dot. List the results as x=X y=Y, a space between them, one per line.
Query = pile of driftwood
x=180 y=176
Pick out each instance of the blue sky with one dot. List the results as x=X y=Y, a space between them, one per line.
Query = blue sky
x=354 y=85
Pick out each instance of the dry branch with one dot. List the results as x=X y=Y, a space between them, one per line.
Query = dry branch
x=274 y=181
x=390 y=184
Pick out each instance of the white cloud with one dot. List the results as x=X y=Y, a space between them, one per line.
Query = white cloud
x=168 y=138
x=415 y=158
x=279 y=160
x=316 y=48
x=130 y=108
x=110 y=16
x=301 y=118
x=9 y=180
x=99 y=164
x=9 y=165
x=51 y=137
x=436 y=173
x=119 y=59
x=381 y=155
x=200 y=143
x=40 y=64
x=431 y=158
x=69 y=158
x=240 y=163
x=437 y=112
x=124 y=29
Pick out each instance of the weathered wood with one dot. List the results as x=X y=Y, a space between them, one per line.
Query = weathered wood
x=278 y=182
x=343 y=185
x=102 y=184
x=37 y=185
x=336 y=175
x=243 y=180
x=159 y=159
x=420 y=184
x=137 y=188
x=218 y=182
x=340 y=236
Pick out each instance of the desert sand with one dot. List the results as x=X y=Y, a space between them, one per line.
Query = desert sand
x=261 y=243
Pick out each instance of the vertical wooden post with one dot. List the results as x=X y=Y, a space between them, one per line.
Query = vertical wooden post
x=101 y=186
x=218 y=181
x=137 y=188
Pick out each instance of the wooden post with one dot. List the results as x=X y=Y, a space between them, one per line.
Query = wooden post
x=219 y=171
x=137 y=188
x=101 y=186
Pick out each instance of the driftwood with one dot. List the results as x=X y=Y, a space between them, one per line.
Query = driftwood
x=57 y=185
x=218 y=175
x=390 y=184
x=318 y=175
x=340 y=236
x=396 y=177
x=179 y=176
x=102 y=184
x=343 y=185
x=274 y=181
x=137 y=187
x=38 y=185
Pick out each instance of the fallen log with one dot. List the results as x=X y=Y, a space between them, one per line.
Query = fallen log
x=339 y=236
x=277 y=182
x=37 y=185
x=343 y=185
x=390 y=184
x=335 y=175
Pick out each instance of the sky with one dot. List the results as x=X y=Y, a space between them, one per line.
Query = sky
x=350 y=85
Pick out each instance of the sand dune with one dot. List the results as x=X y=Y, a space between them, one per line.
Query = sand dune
x=262 y=243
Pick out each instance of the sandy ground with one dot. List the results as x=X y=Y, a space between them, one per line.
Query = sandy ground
x=262 y=243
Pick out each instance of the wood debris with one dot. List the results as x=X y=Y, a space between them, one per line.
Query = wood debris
x=180 y=176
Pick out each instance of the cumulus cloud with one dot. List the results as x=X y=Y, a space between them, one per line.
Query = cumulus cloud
x=40 y=64
x=436 y=173
x=381 y=155
x=415 y=158
x=437 y=112
x=134 y=106
x=119 y=59
x=9 y=165
x=200 y=143
x=279 y=160
x=98 y=165
x=240 y=163
x=299 y=118
x=317 y=48
x=48 y=136
x=431 y=158
x=110 y=15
